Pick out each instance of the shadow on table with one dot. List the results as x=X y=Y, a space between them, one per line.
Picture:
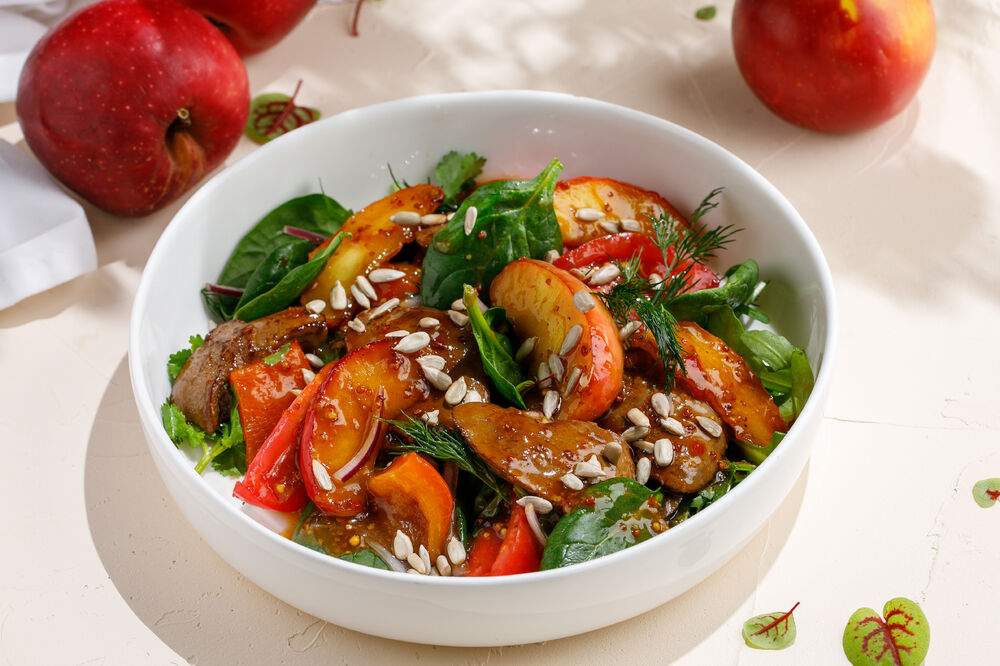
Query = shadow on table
x=210 y=614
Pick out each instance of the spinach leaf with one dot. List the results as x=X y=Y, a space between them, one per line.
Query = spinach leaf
x=365 y=558
x=177 y=360
x=495 y=349
x=738 y=291
x=288 y=287
x=302 y=534
x=514 y=219
x=757 y=454
x=621 y=516
x=278 y=263
x=456 y=173
x=313 y=212
x=692 y=504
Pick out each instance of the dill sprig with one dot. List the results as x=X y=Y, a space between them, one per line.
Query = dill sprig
x=650 y=301
x=443 y=444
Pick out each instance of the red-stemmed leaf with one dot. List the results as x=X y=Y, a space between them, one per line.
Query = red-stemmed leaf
x=986 y=492
x=770 y=631
x=900 y=639
x=274 y=114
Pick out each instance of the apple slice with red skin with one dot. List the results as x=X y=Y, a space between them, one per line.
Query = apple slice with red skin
x=253 y=26
x=374 y=239
x=343 y=431
x=538 y=299
x=131 y=102
x=616 y=199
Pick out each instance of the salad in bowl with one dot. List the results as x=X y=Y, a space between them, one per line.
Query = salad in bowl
x=472 y=379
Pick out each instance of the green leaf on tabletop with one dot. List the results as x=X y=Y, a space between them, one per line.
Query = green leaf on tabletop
x=456 y=173
x=289 y=287
x=728 y=477
x=177 y=360
x=277 y=357
x=495 y=348
x=514 y=219
x=900 y=638
x=274 y=114
x=622 y=515
x=770 y=631
x=706 y=13
x=365 y=558
x=986 y=492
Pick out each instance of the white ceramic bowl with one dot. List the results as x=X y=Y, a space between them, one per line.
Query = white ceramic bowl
x=519 y=132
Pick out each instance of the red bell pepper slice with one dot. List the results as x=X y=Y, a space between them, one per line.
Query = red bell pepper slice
x=483 y=553
x=518 y=552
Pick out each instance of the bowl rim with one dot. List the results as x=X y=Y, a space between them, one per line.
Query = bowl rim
x=149 y=411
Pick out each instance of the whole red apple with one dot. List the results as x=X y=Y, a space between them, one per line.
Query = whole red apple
x=834 y=65
x=130 y=102
x=253 y=25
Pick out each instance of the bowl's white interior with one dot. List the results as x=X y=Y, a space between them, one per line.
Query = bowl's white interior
x=519 y=132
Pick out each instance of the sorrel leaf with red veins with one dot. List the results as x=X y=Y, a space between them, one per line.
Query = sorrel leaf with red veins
x=770 y=631
x=274 y=114
x=901 y=639
x=986 y=492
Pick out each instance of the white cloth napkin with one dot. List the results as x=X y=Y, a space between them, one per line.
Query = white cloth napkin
x=44 y=236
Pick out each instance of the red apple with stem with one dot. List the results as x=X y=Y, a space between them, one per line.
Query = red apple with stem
x=131 y=102
x=834 y=65
x=253 y=25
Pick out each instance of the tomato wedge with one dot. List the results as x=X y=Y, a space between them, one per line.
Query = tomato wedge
x=517 y=552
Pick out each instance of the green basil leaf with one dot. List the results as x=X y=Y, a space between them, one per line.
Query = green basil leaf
x=621 y=516
x=278 y=263
x=456 y=173
x=495 y=349
x=284 y=293
x=177 y=360
x=514 y=219
x=738 y=290
x=365 y=558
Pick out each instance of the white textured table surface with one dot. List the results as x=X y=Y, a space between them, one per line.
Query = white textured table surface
x=99 y=567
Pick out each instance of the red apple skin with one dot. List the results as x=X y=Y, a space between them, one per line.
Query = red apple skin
x=834 y=65
x=102 y=95
x=253 y=25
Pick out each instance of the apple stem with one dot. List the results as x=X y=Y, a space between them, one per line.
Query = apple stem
x=289 y=107
x=183 y=117
x=354 y=22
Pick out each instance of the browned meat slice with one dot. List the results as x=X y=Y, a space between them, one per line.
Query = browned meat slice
x=696 y=452
x=534 y=453
x=200 y=388
x=448 y=341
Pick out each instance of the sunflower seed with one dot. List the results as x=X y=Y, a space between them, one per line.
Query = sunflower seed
x=611 y=226
x=572 y=337
x=643 y=445
x=429 y=322
x=385 y=275
x=432 y=417
x=672 y=426
x=382 y=309
x=604 y=274
x=628 y=329
x=472 y=396
x=367 y=288
x=655 y=278
x=458 y=318
x=433 y=218
x=587 y=470
x=636 y=416
x=574 y=377
x=541 y=505
x=360 y=297
x=579 y=273
x=642 y=470
x=316 y=306
x=471 y=213
x=710 y=426
x=550 y=402
x=556 y=367
x=571 y=481
x=634 y=433
x=584 y=380
x=356 y=325
x=663 y=452
x=401 y=333
x=612 y=452
x=526 y=348
x=413 y=571
x=544 y=381
x=321 y=476
x=662 y=404
x=413 y=342
x=631 y=225
x=552 y=255
x=431 y=361
x=594 y=460
x=308 y=375
x=315 y=361
x=418 y=564
x=584 y=301
x=589 y=214
x=401 y=545
x=425 y=557
x=456 y=551
x=456 y=391
x=406 y=218
x=442 y=565
x=338 y=296
x=458 y=304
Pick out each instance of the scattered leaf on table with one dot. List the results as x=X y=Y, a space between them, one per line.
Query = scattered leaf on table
x=274 y=114
x=986 y=492
x=706 y=13
x=770 y=631
x=901 y=639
